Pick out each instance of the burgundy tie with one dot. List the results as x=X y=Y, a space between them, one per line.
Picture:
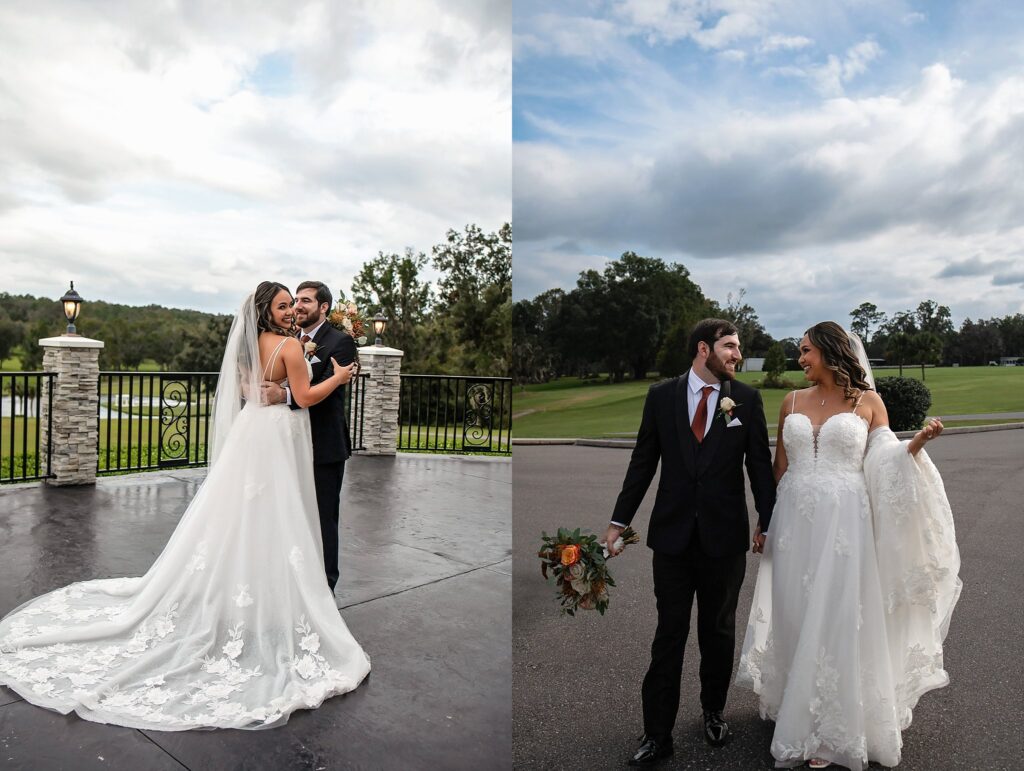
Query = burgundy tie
x=305 y=339
x=700 y=417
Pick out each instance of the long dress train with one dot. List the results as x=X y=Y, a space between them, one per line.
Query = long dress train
x=233 y=626
x=854 y=594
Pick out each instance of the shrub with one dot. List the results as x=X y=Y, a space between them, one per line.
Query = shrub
x=772 y=380
x=906 y=400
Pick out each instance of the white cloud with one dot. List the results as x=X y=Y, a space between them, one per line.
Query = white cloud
x=732 y=55
x=144 y=149
x=784 y=43
x=883 y=189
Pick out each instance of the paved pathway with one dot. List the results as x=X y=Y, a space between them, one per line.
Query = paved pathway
x=576 y=700
x=425 y=588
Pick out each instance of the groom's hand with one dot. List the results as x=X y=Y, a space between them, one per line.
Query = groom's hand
x=759 y=539
x=272 y=392
x=610 y=537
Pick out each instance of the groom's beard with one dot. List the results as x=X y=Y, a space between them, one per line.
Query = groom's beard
x=311 y=320
x=716 y=368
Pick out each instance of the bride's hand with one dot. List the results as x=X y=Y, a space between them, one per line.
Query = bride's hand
x=929 y=432
x=343 y=374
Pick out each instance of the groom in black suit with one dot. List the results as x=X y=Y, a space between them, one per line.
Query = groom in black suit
x=703 y=427
x=329 y=427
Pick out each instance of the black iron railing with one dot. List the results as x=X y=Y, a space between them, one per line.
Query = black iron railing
x=455 y=413
x=153 y=420
x=156 y=420
x=26 y=401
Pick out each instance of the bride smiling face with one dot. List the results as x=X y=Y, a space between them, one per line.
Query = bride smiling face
x=811 y=361
x=274 y=311
x=282 y=309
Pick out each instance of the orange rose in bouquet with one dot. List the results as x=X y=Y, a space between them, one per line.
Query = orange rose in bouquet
x=578 y=564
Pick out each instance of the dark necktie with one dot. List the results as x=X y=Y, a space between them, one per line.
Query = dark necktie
x=700 y=417
x=305 y=339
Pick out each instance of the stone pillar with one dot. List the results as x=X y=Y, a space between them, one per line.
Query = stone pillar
x=75 y=438
x=380 y=406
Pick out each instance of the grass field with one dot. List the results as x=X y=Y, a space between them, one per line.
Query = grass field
x=570 y=407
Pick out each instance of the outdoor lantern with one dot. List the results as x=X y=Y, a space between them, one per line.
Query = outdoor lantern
x=380 y=323
x=72 y=305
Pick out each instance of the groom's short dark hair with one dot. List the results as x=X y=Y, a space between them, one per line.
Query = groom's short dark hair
x=708 y=331
x=323 y=294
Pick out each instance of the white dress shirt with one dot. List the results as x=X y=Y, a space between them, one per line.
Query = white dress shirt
x=693 y=398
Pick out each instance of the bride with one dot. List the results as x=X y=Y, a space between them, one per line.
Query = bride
x=233 y=626
x=859 y=576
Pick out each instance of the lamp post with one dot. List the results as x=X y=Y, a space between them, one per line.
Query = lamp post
x=72 y=302
x=380 y=323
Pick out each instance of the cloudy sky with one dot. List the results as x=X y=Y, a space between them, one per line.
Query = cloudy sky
x=178 y=153
x=818 y=155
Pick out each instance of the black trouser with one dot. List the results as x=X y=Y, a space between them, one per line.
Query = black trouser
x=716 y=581
x=327 y=478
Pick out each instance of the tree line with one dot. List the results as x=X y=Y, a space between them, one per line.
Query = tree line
x=635 y=316
x=458 y=324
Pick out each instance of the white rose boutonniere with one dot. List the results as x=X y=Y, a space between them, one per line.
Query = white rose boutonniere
x=310 y=348
x=725 y=406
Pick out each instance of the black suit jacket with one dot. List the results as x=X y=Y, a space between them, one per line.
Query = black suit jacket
x=701 y=485
x=327 y=419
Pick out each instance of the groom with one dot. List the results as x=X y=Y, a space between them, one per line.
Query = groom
x=331 y=449
x=703 y=427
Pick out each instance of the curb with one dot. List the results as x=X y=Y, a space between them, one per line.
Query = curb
x=629 y=444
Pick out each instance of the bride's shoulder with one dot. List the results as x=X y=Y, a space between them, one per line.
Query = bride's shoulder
x=870 y=398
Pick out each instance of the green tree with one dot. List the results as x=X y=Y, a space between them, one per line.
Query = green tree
x=754 y=340
x=475 y=298
x=203 y=345
x=865 y=319
x=927 y=348
x=10 y=336
x=900 y=348
x=536 y=349
x=622 y=316
x=775 y=361
x=32 y=353
x=979 y=342
x=391 y=284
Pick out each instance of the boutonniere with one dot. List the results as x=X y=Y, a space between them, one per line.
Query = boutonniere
x=725 y=407
x=310 y=347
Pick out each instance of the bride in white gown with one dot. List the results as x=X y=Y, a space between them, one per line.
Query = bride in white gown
x=859 y=575
x=234 y=625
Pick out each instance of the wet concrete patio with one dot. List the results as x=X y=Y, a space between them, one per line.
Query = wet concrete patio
x=425 y=588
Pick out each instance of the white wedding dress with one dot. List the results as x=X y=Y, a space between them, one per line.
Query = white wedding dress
x=854 y=594
x=234 y=625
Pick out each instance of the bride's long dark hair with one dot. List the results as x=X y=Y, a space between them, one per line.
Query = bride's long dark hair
x=834 y=344
x=262 y=299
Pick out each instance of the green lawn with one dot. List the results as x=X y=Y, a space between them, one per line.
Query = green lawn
x=570 y=407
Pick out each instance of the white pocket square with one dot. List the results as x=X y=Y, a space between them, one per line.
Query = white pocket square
x=733 y=423
x=314 y=360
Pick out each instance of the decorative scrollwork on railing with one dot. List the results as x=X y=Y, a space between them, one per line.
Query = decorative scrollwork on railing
x=174 y=422
x=476 y=424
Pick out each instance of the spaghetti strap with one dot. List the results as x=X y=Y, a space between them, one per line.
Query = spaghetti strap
x=273 y=358
x=792 y=402
x=856 y=404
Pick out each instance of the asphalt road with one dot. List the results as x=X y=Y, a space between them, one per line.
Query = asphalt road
x=576 y=681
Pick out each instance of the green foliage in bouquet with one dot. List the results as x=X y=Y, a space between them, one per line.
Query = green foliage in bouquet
x=578 y=565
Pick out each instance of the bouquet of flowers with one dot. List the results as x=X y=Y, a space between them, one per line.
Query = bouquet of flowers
x=347 y=318
x=578 y=563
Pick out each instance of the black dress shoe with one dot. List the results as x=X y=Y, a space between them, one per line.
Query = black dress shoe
x=650 y=752
x=716 y=730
